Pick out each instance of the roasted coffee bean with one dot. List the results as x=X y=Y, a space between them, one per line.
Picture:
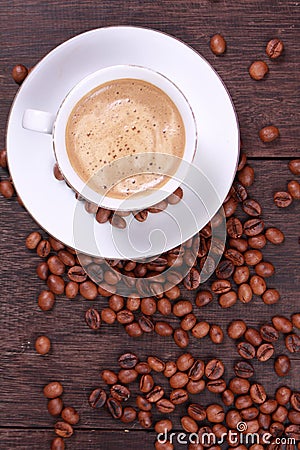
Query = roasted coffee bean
x=108 y=315
x=257 y=393
x=3 y=158
x=282 y=324
x=230 y=207
x=216 y=334
x=156 y=364
x=77 y=273
x=246 y=176
x=148 y=306
x=243 y=401
x=270 y=296
x=234 y=227
x=164 y=446
x=201 y=329
x=257 y=284
x=294 y=166
x=111 y=277
x=269 y=133
x=251 y=207
x=114 y=407
x=265 y=352
x=127 y=376
x=133 y=303
x=109 y=377
x=205 y=435
x=196 y=371
x=164 y=425
x=129 y=414
x=227 y=300
x=241 y=274
x=146 y=324
x=295 y=400
x=274 y=48
x=32 y=240
x=173 y=293
x=58 y=444
x=269 y=406
x=67 y=258
x=192 y=279
x=43 y=248
x=56 y=284
x=283 y=395
x=125 y=316
x=253 y=257
x=88 y=290
x=97 y=398
x=142 y=368
x=282 y=199
x=294 y=189
x=103 y=215
x=265 y=269
x=228 y=397
x=189 y=424
x=46 y=300
x=214 y=369
x=224 y=269
x=236 y=329
x=143 y=403
x=182 y=308
x=175 y=198
x=257 y=242
x=178 y=380
x=217 y=44
x=215 y=413
x=239 y=385
x=146 y=383
x=71 y=289
x=179 y=396
x=116 y=302
x=218 y=287
x=276 y=429
x=196 y=412
x=282 y=365
x=128 y=361
x=141 y=216
x=92 y=318
x=195 y=387
x=258 y=70
x=216 y=386
x=155 y=394
x=234 y=256
x=253 y=227
x=280 y=415
x=155 y=209
x=188 y=322
x=243 y=369
x=294 y=417
x=245 y=293
x=181 y=338
x=238 y=191
x=55 y=406
x=253 y=336
x=296 y=320
x=246 y=350
x=269 y=333
x=233 y=417
x=239 y=244
x=7 y=189
x=53 y=390
x=70 y=415
x=120 y=392
x=203 y=298
x=63 y=429
x=292 y=343
x=185 y=361
x=56 y=266
x=134 y=330
x=170 y=369
x=164 y=306
x=165 y=406
x=274 y=235
x=42 y=345
x=19 y=73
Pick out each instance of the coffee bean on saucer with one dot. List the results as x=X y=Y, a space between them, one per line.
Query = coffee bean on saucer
x=103 y=215
x=217 y=44
x=33 y=240
x=282 y=199
x=294 y=166
x=258 y=70
x=3 y=158
x=97 y=398
x=175 y=198
x=53 y=390
x=282 y=365
x=141 y=216
x=274 y=48
x=19 y=73
x=269 y=133
x=117 y=221
x=70 y=415
x=6 y=189
x=55 y=406
x=57 y=173
x=294 y=189
x=42 y=345
x=43 y=248
x=46 y=300
x=58 y=444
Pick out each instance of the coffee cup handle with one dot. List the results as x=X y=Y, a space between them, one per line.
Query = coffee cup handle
x=40 y=121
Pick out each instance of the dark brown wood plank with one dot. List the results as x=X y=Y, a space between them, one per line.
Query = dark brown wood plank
x=31 y=29
x=78 y=355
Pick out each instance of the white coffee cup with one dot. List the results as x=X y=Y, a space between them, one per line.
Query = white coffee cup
x=55 y=124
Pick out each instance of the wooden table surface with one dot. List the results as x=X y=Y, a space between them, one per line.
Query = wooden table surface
x=30 y=29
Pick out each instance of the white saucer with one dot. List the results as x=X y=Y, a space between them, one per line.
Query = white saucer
x=31 y=158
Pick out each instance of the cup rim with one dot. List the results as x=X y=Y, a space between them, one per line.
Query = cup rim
x=60 y=151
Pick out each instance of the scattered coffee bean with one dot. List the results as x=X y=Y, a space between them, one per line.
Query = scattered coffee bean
x=294 y=189
x=43 y=248
x=258 y=70
x=243 y=369
x=109 y=377
x=42 y=345
x=253 y=336
x=6 y=189
x=269 y=133
x=269 y=333
x=19 y=73
x=92 y=318
x=246 y=350
x=120 y=392
x=246 y=176
x=97 y=398
x=163 y=425
x=292 y=343
x=270 y=296
x=258 y=285
x=179 y=396
x=217 y=44
x=178 y=380
x=70 y=415
x=214 y=369
x=294 y=166
x=127 y=376
x=55 y=406
x=282 y=365
x=189 y=424
x=114 y=407
x=216 y=334
x=145 y=419
x=33 y=240
x=282 y=199
x=165 y=406
x=282 y=324
x=265 y=352
x=258 y=393
x=156 y=364
x=58 y=444
x=46 y=300
x=53 y=389
x=201 y=329
x=236 y=329
x=129 y=414
x=296 y=320
x=71 y=289
x=56 y=284
x=274 y=48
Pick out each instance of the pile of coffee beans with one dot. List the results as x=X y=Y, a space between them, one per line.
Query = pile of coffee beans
x=69 y=416
x=245 y=402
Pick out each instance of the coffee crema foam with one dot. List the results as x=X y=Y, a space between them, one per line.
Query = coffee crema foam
x=130 y=119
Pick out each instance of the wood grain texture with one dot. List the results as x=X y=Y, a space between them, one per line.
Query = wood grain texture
x=31 y=29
